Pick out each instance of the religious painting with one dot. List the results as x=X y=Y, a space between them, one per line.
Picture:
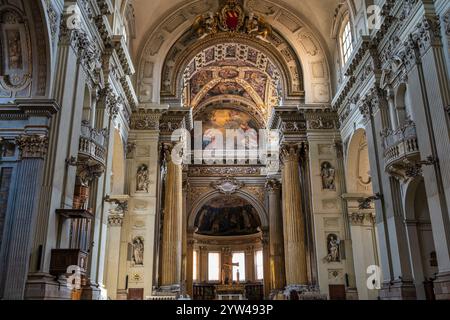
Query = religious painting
x=209 y=55
x=229 y=73
x=230 y=52
x=227 y=216
x=14 y=49
x=199 y=80
x=258 y=81
x=220 y=120
x=227 y=88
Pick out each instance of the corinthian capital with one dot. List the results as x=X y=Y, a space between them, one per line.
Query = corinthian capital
x=273 y=185
x=115 y=220
x=429 y=33
x=290 y=152
x=32 y=146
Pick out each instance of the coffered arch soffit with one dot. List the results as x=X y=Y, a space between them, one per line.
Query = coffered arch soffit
x=305 y=43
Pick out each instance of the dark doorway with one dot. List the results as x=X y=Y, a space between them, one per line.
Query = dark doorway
x=136 y=294
x=337 y=292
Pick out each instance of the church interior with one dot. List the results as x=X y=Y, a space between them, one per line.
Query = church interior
x=224 y=150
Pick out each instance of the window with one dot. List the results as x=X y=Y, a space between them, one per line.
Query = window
x=213 y=266
x=195 y=266
x=238 y=257
x=259 y=265
x=346 y=42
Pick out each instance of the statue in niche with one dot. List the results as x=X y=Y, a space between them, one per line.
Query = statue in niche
x=333 y=248
x=142 y=178
x=138 y=251
x=327 y=172
x=14 y=49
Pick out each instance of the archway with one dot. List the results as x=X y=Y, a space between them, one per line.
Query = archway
x=420 y=238
x=361 y=217
x=227 y=258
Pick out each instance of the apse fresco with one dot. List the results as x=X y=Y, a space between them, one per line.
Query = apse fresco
x=227 y=216
x=224 y=119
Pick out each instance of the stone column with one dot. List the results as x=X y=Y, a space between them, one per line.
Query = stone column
x=266 y=260
x=395 y=260
x=172 y=232
x=203 y=264
x=351 y=289
x=249 y=264
x=29 y=175
x=276 y=248
x=115 y=221
x=190 y=264
x=184 y=246
x=293 y=221
x=430 y=91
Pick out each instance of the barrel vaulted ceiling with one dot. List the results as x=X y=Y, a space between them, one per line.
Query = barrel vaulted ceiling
x=317 y=14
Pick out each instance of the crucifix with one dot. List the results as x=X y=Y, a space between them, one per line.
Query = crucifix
x=227 y=276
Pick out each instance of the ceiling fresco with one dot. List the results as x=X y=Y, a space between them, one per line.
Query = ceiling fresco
x=232 y=70
x=220 y=120
x=227 y=216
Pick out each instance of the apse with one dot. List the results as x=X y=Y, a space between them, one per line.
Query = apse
x=227 y=216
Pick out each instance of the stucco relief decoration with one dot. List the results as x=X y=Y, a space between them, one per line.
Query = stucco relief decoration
x=321 y=123
x=142 y=178
x=138 y=251
x=227 y=185
x=223 y=171
x=232 y=18
x=328 y=173
x=15 y=56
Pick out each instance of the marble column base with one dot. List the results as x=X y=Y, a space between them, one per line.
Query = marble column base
x=90 y=291
x=442 y=286
x=303 y=292
x=351 y=294
x=44 y=286
x=122 y=294
x=398 y=290
x=173 y=290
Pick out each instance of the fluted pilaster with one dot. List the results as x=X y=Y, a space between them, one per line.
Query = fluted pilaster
x=276 y=247
x=29 y=179
x=172 y=231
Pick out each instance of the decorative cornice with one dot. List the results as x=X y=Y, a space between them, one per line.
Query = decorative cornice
x=146 y=119
x=24 y=109
x=227 y=185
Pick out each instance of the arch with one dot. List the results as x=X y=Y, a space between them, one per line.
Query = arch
x=358 y=163
x=401 y=101
x=193 y=51
x=237 y=103
x=305 y=42
x=195 y=208
x=25 y=70
x=411 y=189
x=118 y=165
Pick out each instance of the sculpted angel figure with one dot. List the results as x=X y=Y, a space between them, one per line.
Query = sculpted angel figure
x=205 y=25
x=258 y=27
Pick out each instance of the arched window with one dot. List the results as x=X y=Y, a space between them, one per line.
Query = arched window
x=346 y=41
